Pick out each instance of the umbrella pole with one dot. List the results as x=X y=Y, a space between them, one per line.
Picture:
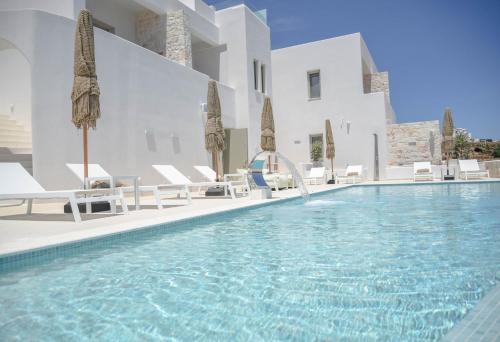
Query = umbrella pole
x=215 y=165
x=332 y=167
x=85 y=153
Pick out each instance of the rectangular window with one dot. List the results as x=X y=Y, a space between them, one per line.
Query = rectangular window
x=103 y=26
x=316 y=147
x=263 y=78
x=314 y=84
x=256 y=74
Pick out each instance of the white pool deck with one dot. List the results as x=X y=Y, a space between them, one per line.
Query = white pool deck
x=49 y=226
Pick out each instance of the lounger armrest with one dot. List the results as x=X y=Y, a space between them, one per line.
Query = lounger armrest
x=93 y=179
x=172 y=186
x=94 y=191
x=127 y=177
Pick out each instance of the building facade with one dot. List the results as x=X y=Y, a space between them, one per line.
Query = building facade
x=154 y=59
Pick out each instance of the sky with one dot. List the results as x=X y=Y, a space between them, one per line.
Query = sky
x=438 y=53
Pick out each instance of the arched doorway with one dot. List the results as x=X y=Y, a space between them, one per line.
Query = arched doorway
x=15 y=106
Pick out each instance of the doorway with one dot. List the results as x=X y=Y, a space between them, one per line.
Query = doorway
x=235 y=155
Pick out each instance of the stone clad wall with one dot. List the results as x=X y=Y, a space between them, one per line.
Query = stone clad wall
x=179 y=38
x=169 y=35
x=151 y=31
x=377 y=82
x=413 y=142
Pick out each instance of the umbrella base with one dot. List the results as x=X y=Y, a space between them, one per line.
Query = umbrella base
x=96 y=207
x=215 y=191
x=449 y=177
x=331 y=181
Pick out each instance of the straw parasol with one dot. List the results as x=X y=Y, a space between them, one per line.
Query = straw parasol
x=85 y=94
x=448 y=129
x=214 y=131
x=267 y=139
x=330 y=146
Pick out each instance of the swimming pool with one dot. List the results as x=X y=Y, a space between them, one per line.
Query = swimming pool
x=364 y=263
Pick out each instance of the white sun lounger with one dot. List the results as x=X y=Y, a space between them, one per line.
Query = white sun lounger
x=316 y=176
x=422 y=171
x=353 y=174
x=97 y=173
x=175 y=177
x=211 y=176
x=17 y=184
x=470 y=169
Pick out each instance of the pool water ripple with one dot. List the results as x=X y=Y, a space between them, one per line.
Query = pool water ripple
x=397 y=263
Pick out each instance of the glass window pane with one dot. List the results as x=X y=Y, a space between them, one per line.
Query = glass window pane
x=314 y=85
x=256 y=74
x=263 y=78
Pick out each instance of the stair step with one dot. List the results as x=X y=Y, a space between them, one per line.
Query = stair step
x=9 y=144
x=16 y=150
x=16 y=132
x=16 y=158
x=7 y=139
x=12 y=128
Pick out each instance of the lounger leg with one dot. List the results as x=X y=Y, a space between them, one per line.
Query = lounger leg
x=123 y=202
x=231 y=190
x=74 y=209
x=30 y=206
x=188 y=195
x=158 y=198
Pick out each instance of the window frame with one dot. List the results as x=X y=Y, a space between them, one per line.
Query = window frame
x=309 y=74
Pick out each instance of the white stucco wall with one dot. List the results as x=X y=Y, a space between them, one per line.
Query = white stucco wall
x=65 y=8
x=150 y=106
x=247 y=38
x=342 y=100
x=15 y=84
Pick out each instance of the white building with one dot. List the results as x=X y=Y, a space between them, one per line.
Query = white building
x=154 y=59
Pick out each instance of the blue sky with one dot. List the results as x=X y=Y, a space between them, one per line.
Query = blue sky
x=438 y=52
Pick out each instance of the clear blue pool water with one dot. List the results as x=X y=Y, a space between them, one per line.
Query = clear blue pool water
x=389 y=263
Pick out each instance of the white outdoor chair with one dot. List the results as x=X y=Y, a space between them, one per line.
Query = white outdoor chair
x=17 y=184
x=97 y=173
x=470 y=169
x=175 y=177
x=422 y=171
x=316 y=176
x=211 y=176
x=353 y=174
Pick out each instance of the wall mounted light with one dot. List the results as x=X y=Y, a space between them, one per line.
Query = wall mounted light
x=204 y=107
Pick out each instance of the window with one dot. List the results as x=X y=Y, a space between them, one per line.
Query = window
x=103 y=26
x=316 y=147
x=314 y=84
x=263 y=78
x=256 y=74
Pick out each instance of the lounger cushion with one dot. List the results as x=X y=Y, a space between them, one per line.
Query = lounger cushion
x=423 y=171
x=350 y=174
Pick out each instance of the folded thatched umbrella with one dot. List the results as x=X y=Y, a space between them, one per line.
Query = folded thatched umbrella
x=448 y=131
x=330 y=146
x=214 y=131
x=267 y=139
x=85 y=94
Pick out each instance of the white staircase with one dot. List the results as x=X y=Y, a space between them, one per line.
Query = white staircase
x=15 y=143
